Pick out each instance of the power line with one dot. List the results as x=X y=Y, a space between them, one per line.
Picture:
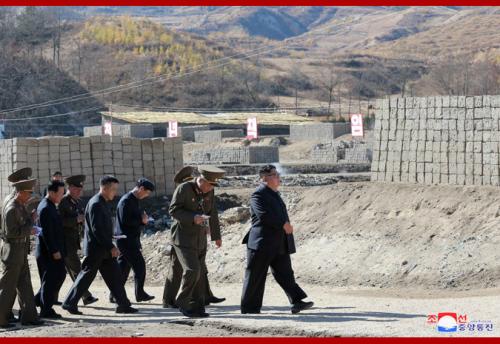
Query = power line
x=154 y=79
x=52 y=116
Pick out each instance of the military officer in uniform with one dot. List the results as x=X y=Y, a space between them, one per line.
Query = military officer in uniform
x=72 y=212
x=193 y=209
x=17 y=226
x=50 y=250
x=174 y=274
x=16 y=176
x=99 y=250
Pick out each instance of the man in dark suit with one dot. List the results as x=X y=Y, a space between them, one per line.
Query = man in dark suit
x=130 y=221
x=269 y=244
x=99 y=251
x=50 y=250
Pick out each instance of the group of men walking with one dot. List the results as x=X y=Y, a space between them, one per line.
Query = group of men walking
x=112 y=246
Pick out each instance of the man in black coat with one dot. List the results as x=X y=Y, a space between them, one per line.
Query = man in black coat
x=130 y=220
x=99 y=251
x=50 y=250
x=269 y=244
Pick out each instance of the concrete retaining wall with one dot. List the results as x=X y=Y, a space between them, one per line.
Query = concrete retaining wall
x=123 y=130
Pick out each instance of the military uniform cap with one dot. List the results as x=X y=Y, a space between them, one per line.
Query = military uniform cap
x=21 y=174
x=211 y=174
x=77 y=180
x=25 y=185
x=184 y=174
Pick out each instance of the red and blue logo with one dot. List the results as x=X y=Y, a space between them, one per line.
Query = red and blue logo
x=447 y=322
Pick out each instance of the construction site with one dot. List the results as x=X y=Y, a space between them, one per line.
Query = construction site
x=391 y=227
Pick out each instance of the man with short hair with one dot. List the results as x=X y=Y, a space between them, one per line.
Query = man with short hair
x=50 y=250
x=174 y=274
x=193 y=209
x=16 y=176
x=56 y=176
x=269 y=244
x=130 y=220
x=99 y=251
x=17 y=226
x=72 y=212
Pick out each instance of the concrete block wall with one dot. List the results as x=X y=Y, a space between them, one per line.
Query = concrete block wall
x=323 y=132
x=187 y=132
x=216 y=136
x=236 y=155
x=126 y=158
x=352 y=152
x=438 y=140
x=123 y=130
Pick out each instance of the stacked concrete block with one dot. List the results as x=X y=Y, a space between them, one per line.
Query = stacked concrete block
x=438 y=140
x=126 y=158
x=236 y=155
x=187 y=132
x=216 y=136
x=123 y=130
x=324 y=132
x=352 y=152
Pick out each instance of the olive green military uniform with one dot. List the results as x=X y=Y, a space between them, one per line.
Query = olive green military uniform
x=174 y=273
x=16 y=176
x=16 y=229
x=190 y=241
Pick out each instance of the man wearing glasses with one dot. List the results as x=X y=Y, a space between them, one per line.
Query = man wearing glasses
x=269 y=244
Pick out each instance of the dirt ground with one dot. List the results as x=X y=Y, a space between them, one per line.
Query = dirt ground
x=337 y=312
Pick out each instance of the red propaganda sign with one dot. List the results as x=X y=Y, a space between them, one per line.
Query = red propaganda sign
x=172 y=129
x=107 y=128
x=357 y=125
x=252 y=128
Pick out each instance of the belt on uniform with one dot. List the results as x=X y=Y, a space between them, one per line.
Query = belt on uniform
x=16 y=240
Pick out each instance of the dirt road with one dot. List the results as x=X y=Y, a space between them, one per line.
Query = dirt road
x=338 y=312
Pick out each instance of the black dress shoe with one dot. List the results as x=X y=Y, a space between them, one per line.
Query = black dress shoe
x=58 y=303
x=37 y=322
x=126 y=310
x=193 y=314
x=90 y=300
x=8 y=325
x=255 y=311
x=71 y=309
x=169 y=305
x=300 y=306
x=145 y=297
x=50 y=314
x=214 y=299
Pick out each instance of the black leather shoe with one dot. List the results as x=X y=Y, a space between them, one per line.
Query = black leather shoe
x=169 y=305
x=249 y=311
x=50 y=315
x=71 y=309
x=300 y=306
x=126 y=310
x=90 y=300
x=145 y=297
x=214 y=299
x=37 y=322
x=58 y=303
x=194 y=314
